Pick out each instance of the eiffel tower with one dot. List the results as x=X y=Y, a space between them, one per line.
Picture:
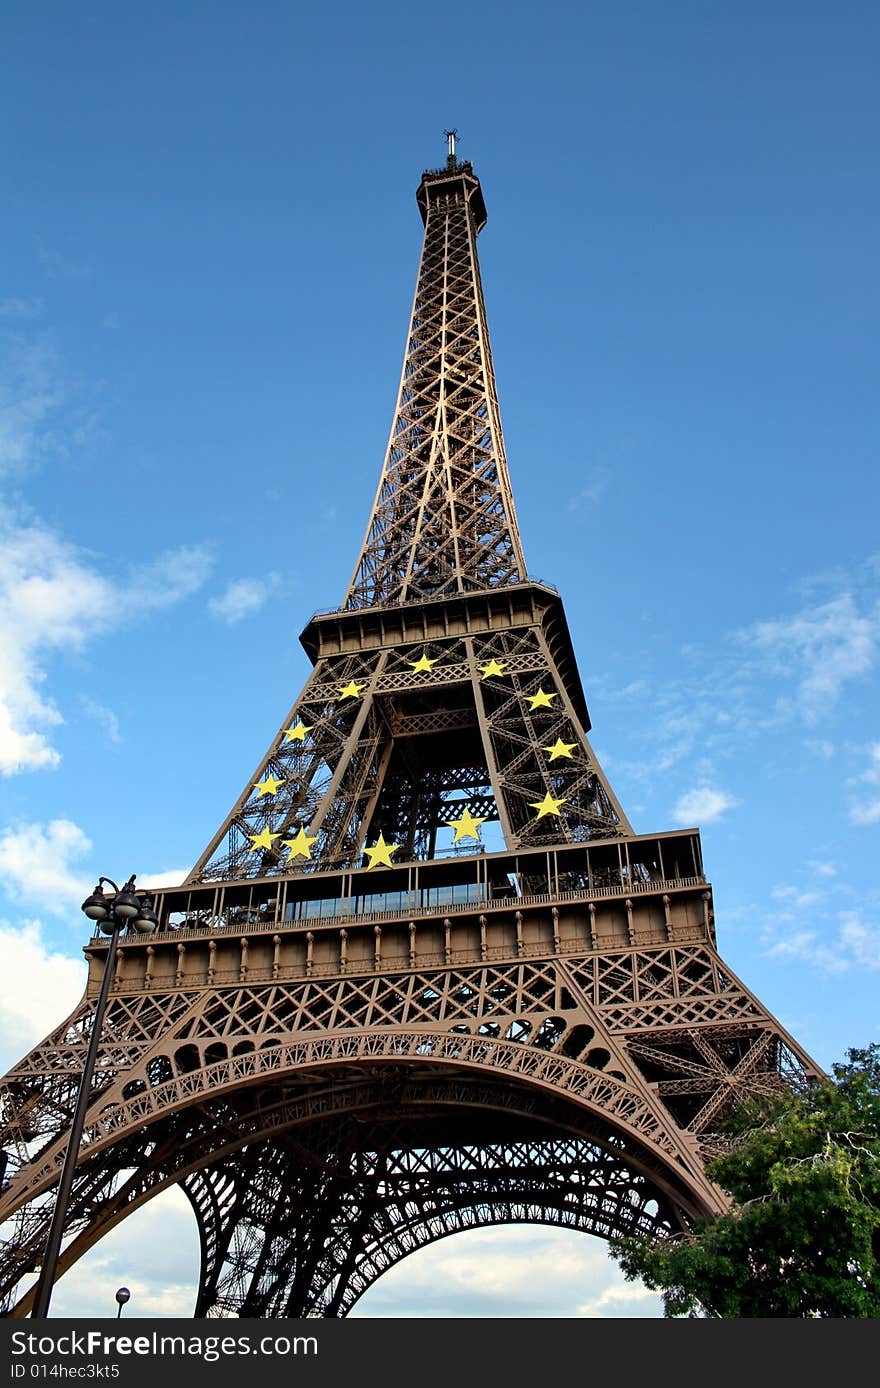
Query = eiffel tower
x=367 y=1021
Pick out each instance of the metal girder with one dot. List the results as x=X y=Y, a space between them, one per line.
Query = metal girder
x=233 y=1068
x=357 y=1200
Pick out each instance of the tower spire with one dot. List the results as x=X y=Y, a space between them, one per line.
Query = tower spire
x=443 y=520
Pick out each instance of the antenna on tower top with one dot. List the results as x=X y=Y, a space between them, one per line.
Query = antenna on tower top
x=451 y=136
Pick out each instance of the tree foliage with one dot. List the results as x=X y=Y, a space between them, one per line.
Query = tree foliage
x=802 y=1236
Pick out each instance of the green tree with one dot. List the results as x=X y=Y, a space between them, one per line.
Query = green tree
x=802 y=1236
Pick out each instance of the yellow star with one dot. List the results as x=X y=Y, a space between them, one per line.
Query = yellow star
x=560 y=749
x=380 y=853
x=494 y=667
x=298 y=733
x=423 y=663
x=467 y=827
x=540 y=700
x=301 y=846
x=269 y=786
x=352 y=690
x=263 y=839
x=549 y=805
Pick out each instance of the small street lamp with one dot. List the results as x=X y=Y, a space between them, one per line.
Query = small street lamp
x=122 y=1296
x=124 y=908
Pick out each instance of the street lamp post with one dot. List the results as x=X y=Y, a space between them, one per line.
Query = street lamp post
x=122 y=1296
x=111 y=913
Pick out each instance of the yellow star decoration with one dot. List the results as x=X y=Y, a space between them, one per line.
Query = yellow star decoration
x=269 y=786
x=352 y=690
x=467 y=827
x=262 y=840
x=549 y=805
x=494 y=667
x=423 y=663
x=540 y=700
x=380 y=853
x=298 y=733
x=301 y=846
x=560 y=749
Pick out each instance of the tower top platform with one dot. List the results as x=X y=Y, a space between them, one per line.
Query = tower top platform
x=456 y=179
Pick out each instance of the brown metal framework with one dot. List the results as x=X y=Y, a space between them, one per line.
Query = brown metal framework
x=358 y=1029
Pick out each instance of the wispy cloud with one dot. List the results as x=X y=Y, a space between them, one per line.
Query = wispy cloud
x=33 y=389
x=806 y=923
x=53 y=598
x=104 y=717
x=58 y=265
x=22 y=308
x=243 y=598
x=821 y=746
x=866 y=809
x=40 y=865
x=702 y=805
x=153 y=881
x=635 y=1297
x=809 y=947
x=154 y=1252
x=843 y=941
x=861 y=939
x=824 y=647
x=774 y=677
x=175 y=575
x=824 y=869
x=589 y=496
x=39 y=986
x=794 y=898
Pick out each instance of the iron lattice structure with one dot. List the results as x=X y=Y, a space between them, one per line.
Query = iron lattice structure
x=357 y=1029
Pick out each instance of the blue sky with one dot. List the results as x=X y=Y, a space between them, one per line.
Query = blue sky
x=208 y=248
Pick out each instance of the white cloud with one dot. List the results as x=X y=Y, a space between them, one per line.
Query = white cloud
x=834 y=947
x=826 y=646
x=175 y=575
x=860 y=939
x=589 y=496
x=871 y=774
x=39 y=987
x=104 y=717
x=58 y=265
x=18 y=307
x=702 y=805
x=822 y=748
x=809 y=947
x=868 y=811
x=152 y=881
x=531 y=1272
x=32 y=391
x=824 y=869
x=794 y=898
x=52 y=598
x=37 y=865
x=154 y=1252
x=517 y=1270
x=242 y=598
x=637 y=1298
